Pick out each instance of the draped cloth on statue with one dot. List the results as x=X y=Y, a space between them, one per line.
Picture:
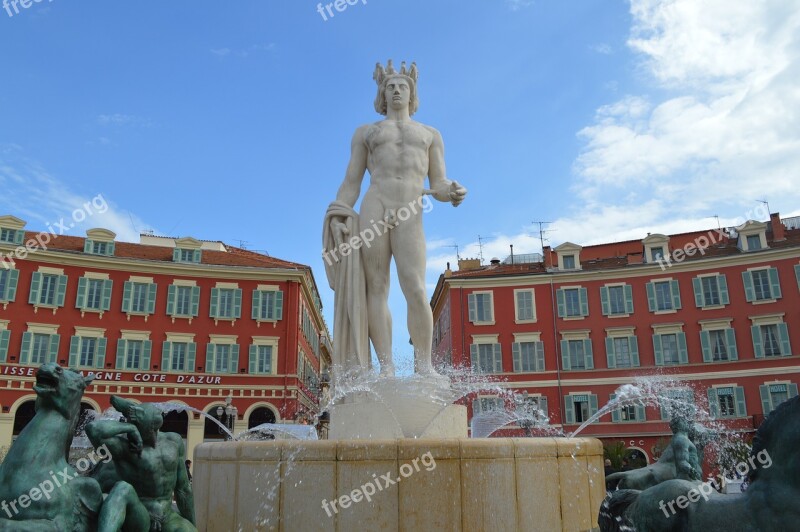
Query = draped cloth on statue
x=346 y=278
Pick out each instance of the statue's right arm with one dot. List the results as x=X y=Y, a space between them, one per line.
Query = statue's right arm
x=356 y=168
x=105 y=433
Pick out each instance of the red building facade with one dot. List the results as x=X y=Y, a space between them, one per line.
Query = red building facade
x=198 y=323
x=716 y=313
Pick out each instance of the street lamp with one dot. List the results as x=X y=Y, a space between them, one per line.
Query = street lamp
x=227 y=416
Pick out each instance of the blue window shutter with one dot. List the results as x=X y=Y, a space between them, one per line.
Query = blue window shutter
x=74 y=351
x=641 y=413
x=176 y=255
x=19 y=237
x=516 y=356
x=749 y=291
x=166 y=356
x=83 y=287
x=540 y=356
x=256 y=304
x=108 y=285
x=25 y=350
x=253 y=365
x=543 y=406
x=758 y=344
x=498 y=358
x=472 y=308
x=62 y=290
x=705 y=342
x=628 y=299
x=210 y=351
x=127 y=293
x=783 y=334
x=5 y=337
x=584 y=298
x=569 y=410
x=675 y=290
x=195 y=301
x=589 y=355
x=659 y=354
x=730 y=340
x=122 y=353
x=592 y=404
x=87 y=246
x=697 y=285
x=713 y=403
x=234 y=360
x=172 y=294
x=100 y=355
x=152 y=293
x=237 y=303
x=147 y=349
x=766 y=399
x=565 y=355
x=562 y=307
x=611 y=359
x=722 y=282
x=279 y=305
x=36 y=286
x=633 y=345
x=52 y=352
x=792 y=390
x=473 y=358
x=683 y=352
x=775 y=283
x=741 y=406
x=651 y=297
x=196 y=255
x=214 y=302
x=110 y=248
x=615 y=412
x=11 y=285
x=191 y=356
x=797 y=274
x=604 y=301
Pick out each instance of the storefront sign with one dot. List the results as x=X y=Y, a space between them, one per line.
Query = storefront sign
x=117 y=376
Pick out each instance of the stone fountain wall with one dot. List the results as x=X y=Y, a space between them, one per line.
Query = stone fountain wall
x=494 y=484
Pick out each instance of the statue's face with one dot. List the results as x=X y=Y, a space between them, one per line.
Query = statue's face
x=397 y=93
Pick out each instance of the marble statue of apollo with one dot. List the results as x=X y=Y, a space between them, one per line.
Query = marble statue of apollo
x=399 y=154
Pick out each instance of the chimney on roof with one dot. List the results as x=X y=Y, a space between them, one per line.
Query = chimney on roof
x=468 y=264
x=448 y=272
x=512 y=253
x=777 y=227
x=548 y=257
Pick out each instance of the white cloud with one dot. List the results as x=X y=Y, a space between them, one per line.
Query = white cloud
x=602 y=48
x=118 y=119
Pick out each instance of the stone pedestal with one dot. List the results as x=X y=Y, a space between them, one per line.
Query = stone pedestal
x=494 y=484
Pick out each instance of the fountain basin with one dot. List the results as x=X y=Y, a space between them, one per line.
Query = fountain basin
x=444 y=484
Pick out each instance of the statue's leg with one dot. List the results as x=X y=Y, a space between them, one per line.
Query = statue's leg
x=376 y=255
x=176 y=523
x=122 y=510
x=408 y=247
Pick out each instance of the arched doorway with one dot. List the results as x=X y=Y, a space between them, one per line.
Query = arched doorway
x=177 y=422
x=212 y=431
x=259 y=416
x=23 y=416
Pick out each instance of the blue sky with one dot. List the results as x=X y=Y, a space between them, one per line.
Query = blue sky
x=232 y=121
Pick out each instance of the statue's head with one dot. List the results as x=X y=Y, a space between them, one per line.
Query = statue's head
x=147 y=418
x=396 y=88
x=682 y=419
x=60 y=389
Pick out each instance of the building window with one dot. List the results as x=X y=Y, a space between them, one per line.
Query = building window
x=772 y=395
x=139 y=298
x=8 y=284
x=94 y=247
x=727 y=402
x=771 y=340
x=133 y=354
x=753 y=242
x=524 y=305
x=87 y=352
x=222 y=358
x=579 y=407
x=710 y=291
x=635 y=412
x=616 y=300
x=656 y=253
x=226 y=303
x=719 y=345
x=761 y=285
x=577 y=354
x=663 y=296
x=481 y=307
x=528 y=356
x=39 y=348
x=48 y=290
x=178 y=355
x=622 y=352
x=670 y=349
x=267 y=305
x=486 y=358
x=260 y=359
x=569 y=262
x=186 y=255
x=8 y=236
x=572 y=302
x=5 y=340
x=672 y=399
x=183 y=301
x=94 y=294
x=481 y=405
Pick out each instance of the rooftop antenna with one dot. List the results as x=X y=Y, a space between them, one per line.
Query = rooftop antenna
x=243 y=243
x=480 y=247
x=719 y=227
x=765 y=202
x=458 y=257
x=542 y=232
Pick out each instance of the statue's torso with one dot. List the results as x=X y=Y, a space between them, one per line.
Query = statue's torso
x=154 y=473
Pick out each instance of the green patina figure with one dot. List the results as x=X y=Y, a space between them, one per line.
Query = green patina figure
x=150 y=468
x=39 y=490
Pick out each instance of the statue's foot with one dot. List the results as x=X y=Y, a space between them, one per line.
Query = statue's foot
x=387 y=371
x=428 y=371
